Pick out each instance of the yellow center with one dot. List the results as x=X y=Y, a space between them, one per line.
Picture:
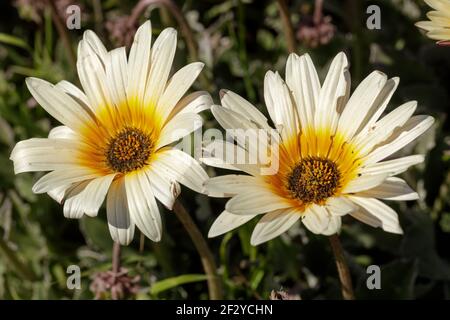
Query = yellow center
x=314 y=166
x=129 y=150
x=122 y=139
x=314 y=180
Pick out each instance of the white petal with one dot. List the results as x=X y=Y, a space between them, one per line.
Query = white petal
x=364 y=182
x=193 y=103
x=229 y=185
x=117 y=76
x=226 y=222
x=439 y=5
x=238 y=104
x=379 y=105
x=334 y=226
x=120 y=224
x=387 y=216
x=279 y=104
x=384 y=128
x=439 y=34
x=163 y=52
x=392 y=189
x=62 y=177
x=244 y=132
x=360 y=103
x=366 y=217
x=273 y=224
x=413 y=128
x=142 y=205
x=92 y=76
x=62 y=132
x=334 y=87
x=218 y=163
x=75 y=93
x=90 y=199
x=57 y=103
x=426 y=25
x=178 y=127
x=41 y=154
x=139 y=63
x=180 y=82
x=162 y=186
x=340 y=206
x=256 y=200
x=178 y=166
x=302 y=79
x=95 y=43
x=392 y=167
x=230 y=119
x=72 y=208
x=227 y=155
x=316 y=219
x=58 y=193
x=440 y=18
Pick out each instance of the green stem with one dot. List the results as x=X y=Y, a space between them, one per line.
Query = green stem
x=214 y=284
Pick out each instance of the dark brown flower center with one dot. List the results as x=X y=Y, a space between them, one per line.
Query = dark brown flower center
x=314 y=180
x=129 y=150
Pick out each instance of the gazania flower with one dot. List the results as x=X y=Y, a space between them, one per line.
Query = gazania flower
x=332 y=153
x=115 y=137
x=438 y=28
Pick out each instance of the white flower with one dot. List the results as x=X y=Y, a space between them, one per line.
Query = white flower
x=438 y=28
x=330 y=153
x=115 y=137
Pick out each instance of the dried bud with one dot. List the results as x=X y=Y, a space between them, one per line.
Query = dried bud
x=114 y=285
x=283 y=295
x=314 y=34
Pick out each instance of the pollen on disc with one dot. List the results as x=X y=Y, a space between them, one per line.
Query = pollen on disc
x=314 y=180
x=129 y=150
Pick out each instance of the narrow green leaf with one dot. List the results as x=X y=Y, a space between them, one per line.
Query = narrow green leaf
x=170 y=283
x=13 y=41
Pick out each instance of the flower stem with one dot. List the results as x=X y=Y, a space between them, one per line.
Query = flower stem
x=214 y=285
x=62 y=31
x=342 y=268
x=115 y=266
x=287 y=25
x=116 y=257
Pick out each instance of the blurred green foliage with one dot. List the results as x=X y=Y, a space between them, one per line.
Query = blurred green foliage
x=239 y=41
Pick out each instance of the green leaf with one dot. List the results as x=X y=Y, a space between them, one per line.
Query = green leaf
x=170 y=283
x=14 y=41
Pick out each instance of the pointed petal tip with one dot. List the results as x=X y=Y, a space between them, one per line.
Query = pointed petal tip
x=214 y=232
x=256 y=242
